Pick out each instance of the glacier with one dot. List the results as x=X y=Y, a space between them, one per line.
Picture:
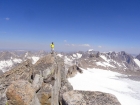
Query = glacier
x=126 y=90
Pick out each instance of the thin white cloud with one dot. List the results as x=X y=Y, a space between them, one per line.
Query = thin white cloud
x=73 y=44
x=7 y=18
x=85 y=45
x=77 y=45
x=100 y=46
x=70 y=44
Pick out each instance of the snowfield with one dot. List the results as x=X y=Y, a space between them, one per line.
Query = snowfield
x=126 y=90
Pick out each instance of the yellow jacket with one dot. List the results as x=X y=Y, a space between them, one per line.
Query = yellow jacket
x=52 y=45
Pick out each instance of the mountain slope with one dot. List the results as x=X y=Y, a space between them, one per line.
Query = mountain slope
x=138 y=57
x=120 y=61
x=9 y=59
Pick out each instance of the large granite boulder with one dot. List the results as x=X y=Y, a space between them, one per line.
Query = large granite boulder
x=73 y=98
x=45 y=66
x=44 y=94
x=72 y=71
x=21 y=92
x=65 y=87
x=44 y=62
x=89 y=98
x=37 y=82
x=22 y=71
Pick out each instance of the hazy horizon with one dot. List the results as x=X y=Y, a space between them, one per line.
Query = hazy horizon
x=59 y=51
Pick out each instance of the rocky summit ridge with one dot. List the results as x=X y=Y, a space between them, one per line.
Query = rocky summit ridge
x=45 y=83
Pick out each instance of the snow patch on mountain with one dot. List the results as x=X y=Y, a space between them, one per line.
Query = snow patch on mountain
x=103 y=57
x=90 y=50
x=119 y=64
x=35 y=59
x=67 y=61
x=17 y=60
x=60 y=55
x=137 y=62
x=8 y=63
x=74 y=55
x=4 y=64
x=126 y=90
x=9 y=59
x=26 y=54
x=100 y=64
x=124 y=65
x=77 y=55
x=105 y=64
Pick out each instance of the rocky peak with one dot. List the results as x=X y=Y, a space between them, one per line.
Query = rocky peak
x=22 y=71
x=138 y=57
x=5 y=55
x=44 y=64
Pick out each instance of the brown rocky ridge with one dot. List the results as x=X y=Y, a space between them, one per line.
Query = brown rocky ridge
x=45 y=83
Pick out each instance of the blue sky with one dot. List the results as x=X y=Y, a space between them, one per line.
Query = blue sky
x=103 y=25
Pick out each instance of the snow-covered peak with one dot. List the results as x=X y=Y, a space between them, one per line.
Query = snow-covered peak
x=60 y=55
x=90 y=50
x=26 y=54
x=77 y=55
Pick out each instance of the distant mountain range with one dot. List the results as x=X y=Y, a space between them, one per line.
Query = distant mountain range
x=119 y=61
x=9 y=59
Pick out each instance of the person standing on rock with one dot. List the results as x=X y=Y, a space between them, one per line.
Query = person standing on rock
x=52 y=47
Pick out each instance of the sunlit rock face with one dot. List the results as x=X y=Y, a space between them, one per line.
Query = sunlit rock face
x=76 y=97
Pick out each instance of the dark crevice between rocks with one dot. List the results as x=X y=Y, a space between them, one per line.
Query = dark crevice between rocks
x=38 y=90
x=32 y=77
x=63 y=102
x=7 y=75
x=27 y=65
x=78 y=69
x=60 y=103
